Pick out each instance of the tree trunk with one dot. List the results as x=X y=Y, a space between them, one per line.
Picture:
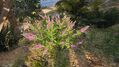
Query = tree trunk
x=6 y=14
x=7 y=19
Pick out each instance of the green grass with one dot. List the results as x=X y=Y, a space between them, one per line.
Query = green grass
x=103 y=41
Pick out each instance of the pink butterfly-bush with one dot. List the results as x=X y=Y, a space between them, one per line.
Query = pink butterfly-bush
x=29 y=36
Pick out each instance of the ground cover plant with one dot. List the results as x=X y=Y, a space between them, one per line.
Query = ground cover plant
x=104 y=43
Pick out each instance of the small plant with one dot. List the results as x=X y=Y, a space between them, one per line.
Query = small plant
x=52 y=34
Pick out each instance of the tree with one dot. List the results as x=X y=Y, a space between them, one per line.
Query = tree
x=9 y=10
x=72 y=7
x=25 y=8
x=5 y=11
x=98 y=13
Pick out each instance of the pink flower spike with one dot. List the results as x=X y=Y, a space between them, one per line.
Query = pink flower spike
x=49 y=24
x=29 y=36
x=48 y=20
x=38 y=46
x=84 y=29
x=57 y=20
x=58 y=16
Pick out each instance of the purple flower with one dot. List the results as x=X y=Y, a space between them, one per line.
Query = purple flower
x=29 y=36
x=73 y=46
x=37 y=46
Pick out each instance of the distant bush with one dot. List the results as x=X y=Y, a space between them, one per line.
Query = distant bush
x=71 y=7
x=95 y=13
x=24 y=8
x=103 y=19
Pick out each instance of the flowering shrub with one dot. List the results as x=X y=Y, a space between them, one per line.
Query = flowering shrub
x=52 y=34
x=29 y=36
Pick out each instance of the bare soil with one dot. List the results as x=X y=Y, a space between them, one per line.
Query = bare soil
x=10 y=58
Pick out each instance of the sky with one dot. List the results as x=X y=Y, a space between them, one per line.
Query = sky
x=48 y=3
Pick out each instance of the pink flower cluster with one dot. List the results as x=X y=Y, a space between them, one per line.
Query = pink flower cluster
x=38 y=46
x=29 y=36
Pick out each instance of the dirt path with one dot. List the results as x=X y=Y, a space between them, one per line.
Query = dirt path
x=8 y=59
x=50 y=11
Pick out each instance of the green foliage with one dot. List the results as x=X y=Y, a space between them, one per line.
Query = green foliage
x=55 y=35
x=104 y=41
x=7 y=39
x=24 y=8
x=55 y=32
x=72 y=7
x=96 y=13
x=61 y=57
x=101 y=19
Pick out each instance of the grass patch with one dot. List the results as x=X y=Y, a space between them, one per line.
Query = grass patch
x=103 y=42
